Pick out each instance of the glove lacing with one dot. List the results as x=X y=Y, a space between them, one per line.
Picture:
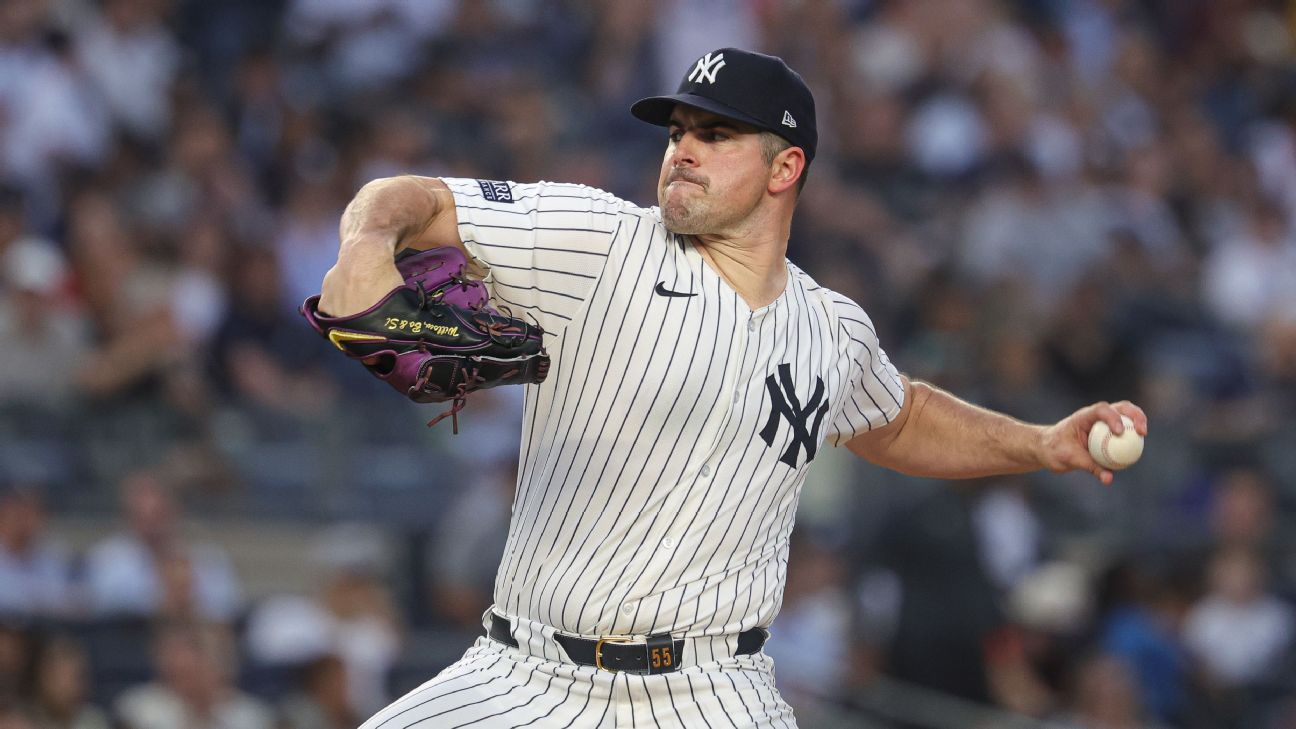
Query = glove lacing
x=472 y=377
x=460 y=399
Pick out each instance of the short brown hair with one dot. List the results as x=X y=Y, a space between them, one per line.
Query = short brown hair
x=771 y=144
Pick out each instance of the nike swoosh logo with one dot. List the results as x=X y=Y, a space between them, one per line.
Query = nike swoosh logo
x=663 y=291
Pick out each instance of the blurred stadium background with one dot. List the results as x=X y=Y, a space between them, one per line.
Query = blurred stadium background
x=208 y=519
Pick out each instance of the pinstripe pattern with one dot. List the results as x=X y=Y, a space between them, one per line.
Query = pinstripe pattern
x=490 y=688
x=493 y=687
x=648 y=497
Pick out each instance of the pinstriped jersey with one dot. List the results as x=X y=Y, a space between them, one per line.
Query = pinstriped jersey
x=662 y=459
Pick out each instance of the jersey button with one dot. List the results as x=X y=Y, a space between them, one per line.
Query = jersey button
x=706 y=471
x=751 y=326
x=628 y=608
x=668 y=543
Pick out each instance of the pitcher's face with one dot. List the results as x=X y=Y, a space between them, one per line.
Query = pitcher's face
x=713 y=173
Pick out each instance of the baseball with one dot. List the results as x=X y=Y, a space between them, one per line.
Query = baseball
x=1113 y=451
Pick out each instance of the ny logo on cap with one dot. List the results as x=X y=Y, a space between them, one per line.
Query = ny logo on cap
x=706 y=68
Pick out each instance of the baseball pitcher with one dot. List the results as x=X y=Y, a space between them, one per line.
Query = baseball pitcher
x=681 y=377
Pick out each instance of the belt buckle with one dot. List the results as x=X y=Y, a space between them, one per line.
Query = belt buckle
x=598 y=649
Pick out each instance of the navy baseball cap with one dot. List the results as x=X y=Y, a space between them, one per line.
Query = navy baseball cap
x=749 y=87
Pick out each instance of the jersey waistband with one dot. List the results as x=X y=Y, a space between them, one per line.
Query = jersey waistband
x=543 y=641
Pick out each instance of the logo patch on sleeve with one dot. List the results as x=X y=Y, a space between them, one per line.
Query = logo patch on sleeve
x=496 y=191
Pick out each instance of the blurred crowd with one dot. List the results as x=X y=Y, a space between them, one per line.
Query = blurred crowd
x=1041 y=203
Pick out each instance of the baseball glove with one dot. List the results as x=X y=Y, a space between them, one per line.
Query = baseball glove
x=434 y=338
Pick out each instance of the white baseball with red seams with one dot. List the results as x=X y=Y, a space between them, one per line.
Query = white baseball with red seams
x=1114 y=451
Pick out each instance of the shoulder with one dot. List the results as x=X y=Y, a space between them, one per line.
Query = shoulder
x=849 y=317
x=561 y=206
x=533 y=196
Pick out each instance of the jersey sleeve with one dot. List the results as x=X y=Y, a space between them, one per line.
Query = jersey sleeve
x=543 y=244
x=876 y=393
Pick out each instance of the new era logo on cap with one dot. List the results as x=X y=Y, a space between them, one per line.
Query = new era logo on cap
x=755 y=89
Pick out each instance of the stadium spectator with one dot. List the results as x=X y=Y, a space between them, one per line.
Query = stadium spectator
x=196 y=668
x=35 y=566
x=1249 y=278
x=323 y=701
x=353 y=617
x=139 y=383
x=1243 y=513
x=816 y=607
x=15 y=658
x=1238 y=630
x=306 y=239
x=933 y=550
x=263 y=356
x=466 y=547
x=1090 y=353
x=1143 y=630
x=12 y=716
x=134 y=60
x=1008 y=533
x=1104 y=696
x=55 y=119
x=1030 y=657
x=60 y=688
x=149 y=569
x=1038 y=237
x=38 y=379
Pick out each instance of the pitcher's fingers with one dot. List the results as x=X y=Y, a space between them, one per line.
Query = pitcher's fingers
x=1107 y=413
x=1135 y=413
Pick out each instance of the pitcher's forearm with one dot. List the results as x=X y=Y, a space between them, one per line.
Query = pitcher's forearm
x=950 y=438
x=385 y=215
x=364 y=273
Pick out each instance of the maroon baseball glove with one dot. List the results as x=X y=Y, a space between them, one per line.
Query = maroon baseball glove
x=434 y=338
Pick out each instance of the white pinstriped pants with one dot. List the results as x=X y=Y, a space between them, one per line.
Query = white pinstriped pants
x=494 y=686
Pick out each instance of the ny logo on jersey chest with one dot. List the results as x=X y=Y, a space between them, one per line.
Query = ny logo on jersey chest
x=785 y=404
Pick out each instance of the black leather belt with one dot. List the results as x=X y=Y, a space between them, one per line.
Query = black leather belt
x=655 y=654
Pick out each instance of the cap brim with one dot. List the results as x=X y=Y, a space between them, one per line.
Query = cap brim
x=657 y=109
